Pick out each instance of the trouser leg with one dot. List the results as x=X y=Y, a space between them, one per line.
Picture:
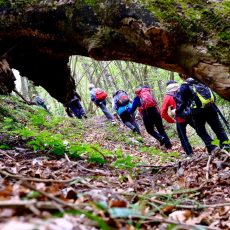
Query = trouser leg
x=80 y=108
x=76 y=108
x=135 y=124
x=148 y=123
x=181 y=130
x=102 y=106
x=160 y=128
x=199 y=118
x=126 y=119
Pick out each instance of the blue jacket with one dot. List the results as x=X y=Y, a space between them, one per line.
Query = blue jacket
x=136 y=103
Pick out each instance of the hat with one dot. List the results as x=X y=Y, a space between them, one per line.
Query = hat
x=170 y=82
x=173 y=87
x=189 y=79
x=91 y=86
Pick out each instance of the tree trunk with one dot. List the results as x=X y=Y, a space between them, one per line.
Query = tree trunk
x=24 y=88
x=38 y=37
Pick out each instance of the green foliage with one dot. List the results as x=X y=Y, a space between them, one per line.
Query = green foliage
x=4 y=3
x=225 y=36
x=32 y=195
x=4 y=146
x=164 y=157
x=125 y=162
x=90 y=2
x=9 y=124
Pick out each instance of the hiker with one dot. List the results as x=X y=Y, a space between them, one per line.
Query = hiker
x=199 y=101
x=121 y=104
x=150 y=114
x=74 y=107
x=169 y=102
x=98 y=97
x=40 y=102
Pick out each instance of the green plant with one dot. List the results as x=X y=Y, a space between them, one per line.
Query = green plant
x=125 y=162
x=3 y=146
x=9 y=124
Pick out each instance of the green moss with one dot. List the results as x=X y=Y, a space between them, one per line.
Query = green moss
x=4 y=3
x=225 y=36
x=91 y=2
x=196 y=20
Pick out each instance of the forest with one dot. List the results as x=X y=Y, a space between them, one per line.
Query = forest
x=70 y=159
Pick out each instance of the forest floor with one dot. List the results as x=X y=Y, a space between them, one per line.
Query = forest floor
x=115 y=180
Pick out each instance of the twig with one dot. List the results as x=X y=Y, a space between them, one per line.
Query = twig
x=185 y=226
x=51 y=197
x=158 y=166
x=44 y=205
x=15 y=204
x=198 y=206
x=4 y=153
x=34 y=209
x=97 y=150
x=23 y=98
x=89 y=170
x=67 y=158
x=176 y=192
x=207 y=167
x=45 y=180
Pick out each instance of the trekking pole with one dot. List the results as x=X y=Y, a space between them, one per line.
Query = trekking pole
x=222 y=116
x=183 y=138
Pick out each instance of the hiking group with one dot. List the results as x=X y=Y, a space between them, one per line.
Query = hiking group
x=191 y=103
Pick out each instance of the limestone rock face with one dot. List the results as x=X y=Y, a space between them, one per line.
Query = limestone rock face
x=37 y=38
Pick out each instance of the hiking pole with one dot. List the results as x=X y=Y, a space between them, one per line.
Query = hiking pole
x=222 y=116
x=183 y=138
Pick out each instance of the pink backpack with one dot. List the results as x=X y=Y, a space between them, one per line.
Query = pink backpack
x=146 y=98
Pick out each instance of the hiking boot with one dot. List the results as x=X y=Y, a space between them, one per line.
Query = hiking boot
x=135 y=130
x=166 y=143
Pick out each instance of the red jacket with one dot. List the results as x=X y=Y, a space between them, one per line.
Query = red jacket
x=169 y=102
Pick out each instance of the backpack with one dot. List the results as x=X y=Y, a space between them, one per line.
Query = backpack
x=203 y=96
x=146 y=98
x=39 y=100
x=124 y=108
x=178 y=100
x=100 y=95
x=123 y=98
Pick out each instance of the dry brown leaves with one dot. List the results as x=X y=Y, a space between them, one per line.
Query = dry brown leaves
x=33 y=188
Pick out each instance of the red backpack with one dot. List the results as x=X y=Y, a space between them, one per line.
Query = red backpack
x=123 y=98
x=100 y=94
x=146 y=98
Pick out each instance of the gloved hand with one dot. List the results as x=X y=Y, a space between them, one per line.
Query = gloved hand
x=173 y=111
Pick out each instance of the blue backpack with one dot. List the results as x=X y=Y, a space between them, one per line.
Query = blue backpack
x=124 y=108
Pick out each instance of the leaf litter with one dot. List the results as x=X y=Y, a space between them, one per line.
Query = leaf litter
x=155 y=191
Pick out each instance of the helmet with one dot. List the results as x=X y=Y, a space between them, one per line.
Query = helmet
x=91 y=86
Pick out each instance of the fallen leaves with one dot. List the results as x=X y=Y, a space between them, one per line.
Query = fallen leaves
x=189 y=193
